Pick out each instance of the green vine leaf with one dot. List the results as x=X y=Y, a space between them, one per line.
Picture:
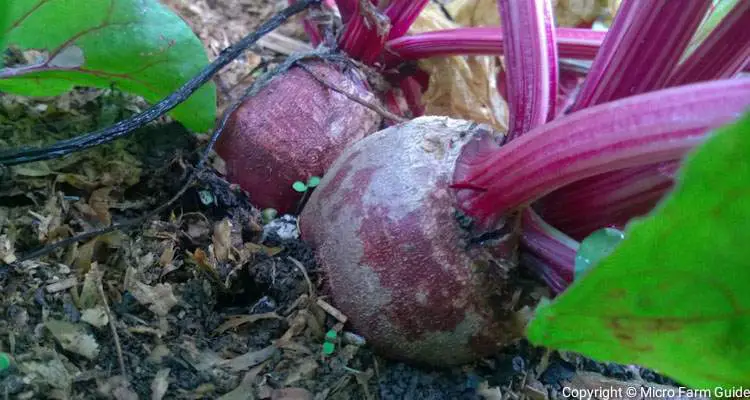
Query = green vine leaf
x=138 y=46
x=673 y=295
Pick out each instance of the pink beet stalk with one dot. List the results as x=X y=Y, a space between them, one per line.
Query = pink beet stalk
x=639 y=130
x=553 y=251
x=593 y=203
x=403 y=13
x=644 y=44
x=719 y=55
x=571 y=43
x=355 y=33
x=722 y=54
x=346 y=8
x=531 y=63
x=365 y=38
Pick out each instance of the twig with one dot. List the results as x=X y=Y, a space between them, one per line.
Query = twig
x=372 y=106
x=311 y=289
x=125 y=127
x=113 y=328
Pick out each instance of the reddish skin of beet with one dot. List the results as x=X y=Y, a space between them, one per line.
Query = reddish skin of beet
x=398 y=263
x=291 y=130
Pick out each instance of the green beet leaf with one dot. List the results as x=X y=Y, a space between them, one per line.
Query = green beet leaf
x=674 y=295
x=138 y=46
x=4 y=22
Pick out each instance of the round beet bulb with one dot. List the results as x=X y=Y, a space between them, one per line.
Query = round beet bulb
x=293 y=129
x=398 y=259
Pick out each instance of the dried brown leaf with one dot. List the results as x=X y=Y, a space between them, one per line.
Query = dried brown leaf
x=62 y=284
x=239 y=320
x=296 y=326
x=7 y=249
x=246 y=389
x=254 y=248
x=222 y=240
x=159 y=298
x=52 y=372
x=96 y=316
x=249 y=359
x=84 y=254
x=74 y=338
x=283 y=44
x=460 y=87
x=160 y=384
x=581 y=12
x=33 y=170
x=474 y=12
x=117 y=387
x=89 y=296
x=198 y=229
x=100 y=202
x=167 y=256
x=304 y=369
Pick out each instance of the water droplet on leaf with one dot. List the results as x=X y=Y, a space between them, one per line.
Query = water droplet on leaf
x=595 y=247
x=69 y=57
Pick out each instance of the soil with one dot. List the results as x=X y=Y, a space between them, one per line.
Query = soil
x=207 y=300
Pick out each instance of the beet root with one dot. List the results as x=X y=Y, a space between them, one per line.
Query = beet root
x=293 y=129
x=397 y=260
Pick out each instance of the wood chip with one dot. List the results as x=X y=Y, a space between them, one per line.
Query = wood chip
x=63 y=284
x=331 y=310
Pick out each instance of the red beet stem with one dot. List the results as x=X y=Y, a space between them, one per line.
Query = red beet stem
x=571 y=42
x=722 y=54
x=355 y=34
x=404 y=13
x=346 y=9
x=593 y=203
x=640 y=130
x=644 y=44
x=531 y=63
x=363 y=41
x=582 y=207
x=553 y=252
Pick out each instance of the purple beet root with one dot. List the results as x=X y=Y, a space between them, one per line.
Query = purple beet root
x=293 y=129
x=398 y=262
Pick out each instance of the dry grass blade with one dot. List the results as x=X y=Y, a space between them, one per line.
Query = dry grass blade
x=237 y=321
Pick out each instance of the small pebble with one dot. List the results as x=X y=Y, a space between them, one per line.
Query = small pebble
x=353 y=338
x=285 y=228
